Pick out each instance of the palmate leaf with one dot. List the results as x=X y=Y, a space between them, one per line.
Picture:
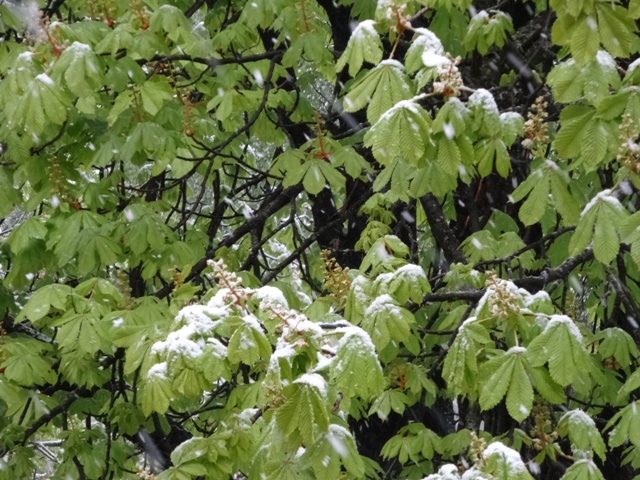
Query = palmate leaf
x=78 y=331
x=546 y=386
x=582 y=431
x=560 y=344
x=385 y=321
x=616 y=28
x=403 y=131
x=431 y=178
x=630 y=233
x=504 y=463
x=97 y=250
x=627 y=423
x=487 y=151
x=408 y=282
x=486 y=30
x=41 y=302
x=536 y=186
x=356 y=370
x=335 y=448
x=583 y=469
x=505 y=375
x=23 y=234
x=632 y=383
x=25 y=369
x=573 y=120
x=304 y=414
x=392 y=399
x=364 y=45
x=598 y=222
x=412 y=442
x=80 y=68
x=460 y=369
x=398 y=175
x=156 y=395
x=248 y=343
x=570 y=82
x=625 y=102
x=42 y=104
x=596 y=142
x=379 y=89
x=512 y=123
x=448 y=157
x=585 y=41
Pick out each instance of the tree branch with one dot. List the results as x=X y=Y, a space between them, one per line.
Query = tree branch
x=445 y=238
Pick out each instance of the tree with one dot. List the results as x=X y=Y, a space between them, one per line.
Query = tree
x=317 y=239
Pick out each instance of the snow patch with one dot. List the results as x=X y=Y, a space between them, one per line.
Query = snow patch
x=314 y=380
x=269 y=295
x=510 y=456
x=484 y=99
x=578 y=416
x=158 y=371
x=604 y=196
x=365 y=29
x=46 y=79
x=605 y=60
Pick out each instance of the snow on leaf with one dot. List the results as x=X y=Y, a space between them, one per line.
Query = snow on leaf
x=504 y=462
x=582 y=431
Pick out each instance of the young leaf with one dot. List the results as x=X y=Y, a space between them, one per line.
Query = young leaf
x=363 y=46
x=403 y=131
x=583 y=469
x=460 y=369
x=505 y=374
x=560 y=344
x=582 y=432
x=504 y=463
x=380 y=89
x=304 y=412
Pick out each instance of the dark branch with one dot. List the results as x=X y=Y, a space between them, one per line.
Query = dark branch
x=444 y=236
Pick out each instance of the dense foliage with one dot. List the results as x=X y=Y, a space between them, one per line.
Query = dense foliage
x=305 y=239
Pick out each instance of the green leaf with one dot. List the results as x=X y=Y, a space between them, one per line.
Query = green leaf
x=80 y=68
x=403 y=131
x=486 y=30
x=385 y=321
x=535 y=205
x=304 y=413
x=412 y=442
x=546 y=386
x=41 y=303
x=598 y=221
x=313 y=180
x=504 y=463
x=334 y=448
x=585 y=39
x=582 y=432
x=364 y=45
x=356 y=369
x=560 y=344
x=573 y=121
x=156 y=395
x=460 y=369
x=248 y=343
x=23 y=234
x=626 y=422
x=379 y=90
x=596 y=141
x=616 y=29
x=505 y=375
x=583 y=469
x=449 y=158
